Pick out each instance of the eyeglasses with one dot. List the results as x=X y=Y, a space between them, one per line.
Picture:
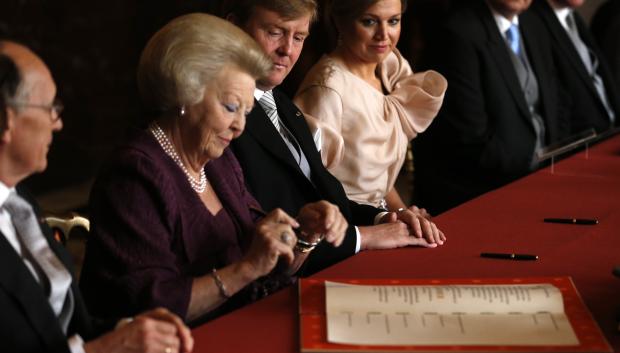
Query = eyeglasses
x=54 y=109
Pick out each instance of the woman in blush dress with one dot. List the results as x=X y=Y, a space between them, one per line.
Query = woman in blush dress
x=367 y=101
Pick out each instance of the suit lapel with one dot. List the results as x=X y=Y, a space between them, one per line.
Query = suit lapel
x=560 y=36
x=499 y=51
x=17 y=280
x=296 y=123
x=294 y=120
x=536 y=53
x=603 y=68
x=262 y=130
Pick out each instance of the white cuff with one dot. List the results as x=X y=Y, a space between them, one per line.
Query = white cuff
x=122 y=322
x=318 y=139
x=358 y=240
x=379 y=216
x=76 y=344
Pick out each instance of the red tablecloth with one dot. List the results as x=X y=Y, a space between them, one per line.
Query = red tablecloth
x=510 y=219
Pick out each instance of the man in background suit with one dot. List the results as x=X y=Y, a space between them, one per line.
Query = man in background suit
x=501 y=108
x=40 y=305
x=582 y=69
x=605 y=26
x=280 y=160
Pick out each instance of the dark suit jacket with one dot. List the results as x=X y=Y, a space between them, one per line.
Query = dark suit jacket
x=587 y=110
x=483 y=137
x=27 y=321
x=276 y=180
x=605 y=26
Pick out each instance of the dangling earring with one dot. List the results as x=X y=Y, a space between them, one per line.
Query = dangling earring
x=182 y=111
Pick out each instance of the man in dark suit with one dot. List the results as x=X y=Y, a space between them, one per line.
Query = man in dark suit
x=582 y=68
x=42 y=309
x=278 y=154
x=605 y=26
x=501 y=108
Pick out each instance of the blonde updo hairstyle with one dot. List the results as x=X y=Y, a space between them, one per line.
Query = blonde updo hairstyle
x=187 y=53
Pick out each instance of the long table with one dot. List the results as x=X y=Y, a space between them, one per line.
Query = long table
x=510 y=219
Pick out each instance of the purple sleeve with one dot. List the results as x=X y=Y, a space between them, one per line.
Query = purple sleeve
x=134 y=255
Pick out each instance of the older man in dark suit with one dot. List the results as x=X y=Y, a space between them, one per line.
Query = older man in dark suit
x=42 y=309
x=501 y=108
x=278 y=154
x=582 y=68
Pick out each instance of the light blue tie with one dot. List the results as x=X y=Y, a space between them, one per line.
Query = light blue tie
x=514 y=39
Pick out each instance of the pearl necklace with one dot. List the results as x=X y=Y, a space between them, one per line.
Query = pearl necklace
x=198 y=185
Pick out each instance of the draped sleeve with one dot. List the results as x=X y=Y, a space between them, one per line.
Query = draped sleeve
x=414 y=97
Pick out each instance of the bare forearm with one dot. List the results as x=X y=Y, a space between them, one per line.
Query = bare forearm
x=393 y=200
x=206 y=295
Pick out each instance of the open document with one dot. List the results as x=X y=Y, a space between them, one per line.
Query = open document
x=522 y=314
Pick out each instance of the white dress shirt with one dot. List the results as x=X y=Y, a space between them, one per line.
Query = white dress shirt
x=75 y=342
x=503 y=23
x=561 y=13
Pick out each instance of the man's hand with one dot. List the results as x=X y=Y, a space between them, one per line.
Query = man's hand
x=157 y=330
x=419 y=224
x=322 y=218
x=389 y=236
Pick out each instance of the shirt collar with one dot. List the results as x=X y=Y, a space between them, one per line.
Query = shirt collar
x=502 y=22
x=561 y=12
x=4 y=193
x=258 y=93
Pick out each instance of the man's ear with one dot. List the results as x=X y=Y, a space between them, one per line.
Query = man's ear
x=7 y=121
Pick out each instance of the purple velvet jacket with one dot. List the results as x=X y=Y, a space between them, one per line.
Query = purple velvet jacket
x=151 y=234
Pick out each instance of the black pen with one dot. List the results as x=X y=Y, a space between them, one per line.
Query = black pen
x=580 y=221
x=494 y=255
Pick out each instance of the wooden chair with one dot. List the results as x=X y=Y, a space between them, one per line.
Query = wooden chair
x=62 y=226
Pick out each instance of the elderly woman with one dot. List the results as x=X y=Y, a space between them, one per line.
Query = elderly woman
x=367 y=100
x=172 y=222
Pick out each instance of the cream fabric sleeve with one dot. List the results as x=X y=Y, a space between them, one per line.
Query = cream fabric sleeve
x=322 y=107
x=414 y=98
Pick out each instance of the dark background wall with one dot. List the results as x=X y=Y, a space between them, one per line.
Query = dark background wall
x=92 y=49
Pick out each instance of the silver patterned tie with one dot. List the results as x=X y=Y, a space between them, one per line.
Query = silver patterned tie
x=590 y=61
x=54 y=277
x=269 y=105
x=580 y=46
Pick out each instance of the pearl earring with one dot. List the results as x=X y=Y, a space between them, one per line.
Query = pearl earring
x=182 y=111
